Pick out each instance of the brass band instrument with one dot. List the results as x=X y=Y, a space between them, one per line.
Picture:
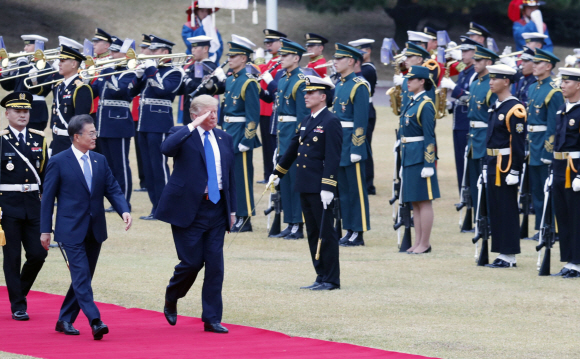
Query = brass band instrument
x=39 y=61
x=511 y=54
x=441 y=95
x=396 y=92
x=329 y=64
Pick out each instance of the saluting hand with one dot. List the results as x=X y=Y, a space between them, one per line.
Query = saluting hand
x=198 y=120
x=128 y=220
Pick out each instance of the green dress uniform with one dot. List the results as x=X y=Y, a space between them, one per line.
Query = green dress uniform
x=544 y=100
x=416 y=50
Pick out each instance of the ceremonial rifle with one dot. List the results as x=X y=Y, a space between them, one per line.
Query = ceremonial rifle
x=547 y=235
x=396 y=178
x=465 y=200
x=337 y=215
x=404 y=219
x=482 y=223
x=524 y=199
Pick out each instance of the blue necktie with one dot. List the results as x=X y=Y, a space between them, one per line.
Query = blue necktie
x=87 y=170
x=213 y=190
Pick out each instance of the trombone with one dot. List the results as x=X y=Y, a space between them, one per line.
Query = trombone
x=38 y=75
x=185 y=59
x=39 y=59
x=92 y=66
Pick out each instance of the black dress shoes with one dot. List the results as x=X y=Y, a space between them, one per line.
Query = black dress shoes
x=170 y=312
x=297 y=232
x=561 y=273
x=500 y=263
x=110 y=209
x=326 y=286
x=355 y=240
x=372 y=190
x=240 y=226
x=215 y=328
x=148 y=218
x=99 y=329
x=313 y=285
x=346 y=237
x=572 y=274
x=286 y=231
x=66 y=328
x=20 y=315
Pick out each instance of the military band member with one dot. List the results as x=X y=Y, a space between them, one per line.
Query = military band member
x=241 y=119
x=71 y=97
x=526 y=76
x=114 y=120
x=414 y=56
x=101 y=48
x=422 y=40
x=506 y=134
x=315 y=153
x=544 y=100
x=24 y=158
x=315 y=46
x=351 y=106
x=39 y=111
x=566 y=183
x=534 y=40
x=478 y=33
x=157 y=83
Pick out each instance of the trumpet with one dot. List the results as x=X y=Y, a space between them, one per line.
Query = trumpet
x=92 y=66
x=37 y=56
x=39 y=62
x=180 y=59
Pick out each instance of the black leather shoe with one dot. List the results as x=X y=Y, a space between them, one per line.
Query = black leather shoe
x=148 y=218
x=142 y=189
x=110 y=209
x=20 y=315
x=239 y=226
x=66 y=328
x=313 y=285
x=372 y=190
x=99 y=329
x=572 y=274
x=345 y=238
x=561 y=273
x=286 y=231
x=326 y=286
x=170 y=312
x=262 y=182
x=500 y=263
x=215 y=328
x=297 y=232
x=355 y=240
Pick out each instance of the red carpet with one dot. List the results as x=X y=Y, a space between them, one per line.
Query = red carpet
x=138 y=333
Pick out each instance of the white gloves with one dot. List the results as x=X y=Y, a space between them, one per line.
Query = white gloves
x=398 y=80
x=447 y=83
x=576 y=184
x=209 y=84
x=21 y=61
x=484 y=175
x=512 y=179
x=507 y=50
x=219 y=73
x=139 y=71
x=275 y=180
x=243 y=148
x=326 y=197
x=454 y=54
x=510 y=61
x=55 y=64
x=150 y=63
x=570 y=61
x=33 y=72
x=266 y=76
x=427 y=172
x=537 y=19
x=545 y=161
x=548 y=182
x=259 y=53
x=354 y=158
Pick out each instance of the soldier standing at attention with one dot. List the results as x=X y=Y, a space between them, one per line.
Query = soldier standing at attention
x=526 y=76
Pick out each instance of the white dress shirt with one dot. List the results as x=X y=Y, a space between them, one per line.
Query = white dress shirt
x=69 y=80
x=415 y=97
x=15 y=132
x=318 y=112
x=78 y=155
x=216 y=154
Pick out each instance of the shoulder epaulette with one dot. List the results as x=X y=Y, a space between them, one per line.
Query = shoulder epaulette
x=357 y=79
x=251 y=76
x=358 y=82
x=4 y=132
x=426 y=100
x=245 y=86
x=58 y=83
x=79 y=83
x=551 y=93
x=519 y=111
x=40 y=133
x=301 y=76
x=297 y=85
x=554 y=85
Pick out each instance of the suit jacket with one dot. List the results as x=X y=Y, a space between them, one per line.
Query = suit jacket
x=77 y=206
x=184 y=192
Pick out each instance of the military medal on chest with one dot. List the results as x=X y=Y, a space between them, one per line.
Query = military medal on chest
x=10 y=166
x=501 y=117
x=571 y=122
x=234 y=101
x=343 y=108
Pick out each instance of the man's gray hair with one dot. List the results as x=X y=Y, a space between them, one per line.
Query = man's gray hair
x=201 y=102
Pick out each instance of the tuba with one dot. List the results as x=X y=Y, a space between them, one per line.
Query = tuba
x=441 y=95
x=396 y=93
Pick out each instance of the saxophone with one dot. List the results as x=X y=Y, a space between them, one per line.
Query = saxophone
x=396 y=93
x=441 y=95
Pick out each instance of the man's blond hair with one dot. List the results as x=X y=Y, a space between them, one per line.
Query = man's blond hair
x=201 y=102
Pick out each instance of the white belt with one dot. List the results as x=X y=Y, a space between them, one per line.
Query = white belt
x=155 y=101
x=370 y=100
x=58 y=131
x=412 y=139
x=230 y=119
x=287 y=118
x=565 y=155
x=116 y=103
x=477 y=124
x=38 y=98
x=347 y=124
x=498 y=151
x=537 y=128
x=19 y=187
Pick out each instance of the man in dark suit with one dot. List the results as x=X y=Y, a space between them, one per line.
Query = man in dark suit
x=316 y=150
x=80 y=179
x=198 y=202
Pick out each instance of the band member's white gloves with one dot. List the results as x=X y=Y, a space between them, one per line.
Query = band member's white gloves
x=510 y=61
x=150 y=63
x=33 y=72
x=219 y=73
x=570 y=61
x=354 y=158
x=273 y=180
x=55 y=64
x=576 y=184
x=140 y=70
x=512 y=179
x=484 y=175
x=427 y=172
x=548 y=182
x=537 y=18
x=21 y=61
x=545 y=161
x=266 y=76
x=398 y=80
x=243 y=148
x=326 y=197
x=209 y=85
x=447 y=83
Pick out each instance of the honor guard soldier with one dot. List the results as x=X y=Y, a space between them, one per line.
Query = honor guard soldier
x=157 y=83
x=315 y=153
x=534 y=40
x=566 y=182
x=526 y=76
x=203 y=69
x=506 y=135
x=481 y=98
x=478 y=33
x=351 y=106
x=114 y=120
x=39 y=111
x=71 y=97
x=417 y=135
x=24 y=158
x=315 y=46
x=545 y=98
x=369 y=73
x=527 y=17
x=241 y=119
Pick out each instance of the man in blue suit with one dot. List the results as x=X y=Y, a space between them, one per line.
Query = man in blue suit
x=198 y=202
x=80 y=179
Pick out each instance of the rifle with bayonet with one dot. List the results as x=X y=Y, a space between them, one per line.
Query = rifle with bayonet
x=482 y=229
x=465 y=200
x=524 y=199
x=396 y=179
x=547 y=235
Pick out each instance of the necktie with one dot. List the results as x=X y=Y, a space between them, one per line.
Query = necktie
x=213 y=190
x=87 y=170
x=21 y=139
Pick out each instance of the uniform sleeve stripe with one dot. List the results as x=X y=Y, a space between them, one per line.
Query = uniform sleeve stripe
x=329 y=182
x=281 y=170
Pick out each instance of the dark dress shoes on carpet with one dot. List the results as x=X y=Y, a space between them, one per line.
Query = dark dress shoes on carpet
x=148 y=218
x=571 y=274
x=99 y=329
x=110 y=209
x=66 y=328
x=561 y=273
x=313 y=285
x=215 y=328
x=500 y=263
x=326 y=286
x=20 y=315
x=170 y=312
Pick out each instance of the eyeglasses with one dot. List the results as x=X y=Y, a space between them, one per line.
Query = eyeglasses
x=92 y=134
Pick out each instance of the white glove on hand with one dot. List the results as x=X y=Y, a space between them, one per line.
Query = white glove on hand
x=507 y=50
x=447 y=83
x=260 y=53
x=537 y=18
x=139 y=71
x=456 y=55
x=510 y=61
x=275 y=180
x=266 y=76
x=398 y=80
x=55 y=64
x=354 y=158
x=449 y=105
x=545 y=161
x=243 y=148
x=21 y=61
x=427 y=172
x=150 y=63
x=570 y=61
x=326 y=197
x=512 y=179
x=32 y=73
x=576 y=184
x=219 y=73
x=209 y=84
x=484 y=174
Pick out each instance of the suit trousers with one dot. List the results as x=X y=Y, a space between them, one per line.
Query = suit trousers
x=154 y=165
x=268 y=146
x=82 y=258
x=290 y=198
x=327 y=268
x=116 y=151
x=538 y=176
x=21 y=233
x=354 y=200
x=201 y=244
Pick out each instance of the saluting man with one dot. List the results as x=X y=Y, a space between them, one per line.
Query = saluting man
x=506 y=135
x=24 y=160
x=241 y=118
x=351 y=106
x=544 y=100
x=315 y=46
x=316 y=148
